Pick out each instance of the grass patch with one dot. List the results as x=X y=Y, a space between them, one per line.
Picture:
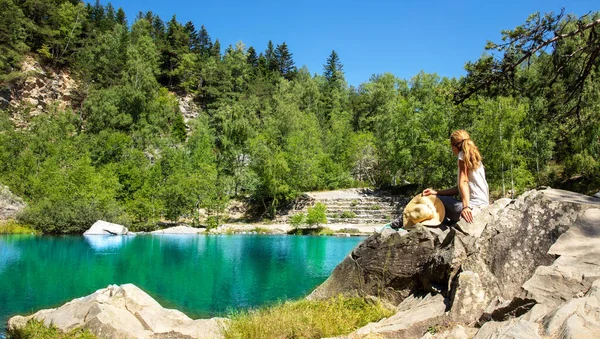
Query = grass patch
x=306 y=319
x=12 y=227
x=35 y=329
x=311 y=231
x=325 y=231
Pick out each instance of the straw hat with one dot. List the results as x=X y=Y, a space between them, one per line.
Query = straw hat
x=428 y=211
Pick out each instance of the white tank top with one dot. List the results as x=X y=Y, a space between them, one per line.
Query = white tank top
x=478 y=186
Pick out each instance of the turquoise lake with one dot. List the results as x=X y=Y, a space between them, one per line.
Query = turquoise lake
x=202 y=276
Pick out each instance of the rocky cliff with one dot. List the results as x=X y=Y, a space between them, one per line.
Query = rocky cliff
x=40 y=88
x=10 y=204
x=525 y=268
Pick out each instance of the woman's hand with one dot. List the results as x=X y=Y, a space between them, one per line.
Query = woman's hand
x=429 y=191
x=467 y=214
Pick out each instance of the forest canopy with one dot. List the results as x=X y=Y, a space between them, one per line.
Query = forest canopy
x=267 y=129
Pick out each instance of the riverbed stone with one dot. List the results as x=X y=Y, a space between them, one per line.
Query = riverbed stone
x=102 y=227
x=124 y=312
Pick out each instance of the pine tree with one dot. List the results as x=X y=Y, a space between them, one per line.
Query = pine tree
x=285 y=62
x=111 y=16
x=333 y=69
x=176 y=46
x=204 y=42
x=215 y=50
x=194 y=41
x=271 y=57
x=252 y=58
x=121 y=18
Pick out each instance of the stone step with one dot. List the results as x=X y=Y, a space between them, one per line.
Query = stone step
x=362 y=211
x=359 y=221
x=363 y=216
x=360 y=205
x=364 y=202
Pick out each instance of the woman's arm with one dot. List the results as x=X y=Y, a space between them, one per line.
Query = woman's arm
x=465 y=193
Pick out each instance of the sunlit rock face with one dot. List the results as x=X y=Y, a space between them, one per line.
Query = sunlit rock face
x=10 y=204
x=124 y=312
x=529 y=267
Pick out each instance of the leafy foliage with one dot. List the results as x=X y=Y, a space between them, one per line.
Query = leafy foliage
x=317 y=215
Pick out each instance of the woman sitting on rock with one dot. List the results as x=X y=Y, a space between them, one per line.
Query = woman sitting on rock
x=472 y=185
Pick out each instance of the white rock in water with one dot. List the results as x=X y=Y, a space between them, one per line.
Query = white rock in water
x=102 y=227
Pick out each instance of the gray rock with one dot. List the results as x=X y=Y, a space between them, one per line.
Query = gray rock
x=578 y=266
x=458 y=332
x=514 y=329
x=412 y=318
x=124 y=312
x=515 y=241
x=180 y=230
x=391 y=267
x=582 y=238
x=470 y=298
x=102 y=227
x=577 y=318
x=10 y=204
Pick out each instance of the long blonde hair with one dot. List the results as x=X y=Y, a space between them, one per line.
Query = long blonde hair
x=463 y=142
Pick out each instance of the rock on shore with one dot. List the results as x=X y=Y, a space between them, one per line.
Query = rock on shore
x=526 y=268
x=124 y=312
x=180 y=230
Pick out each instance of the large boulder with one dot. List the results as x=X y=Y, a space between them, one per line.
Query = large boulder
x=391 y=266
x=102 y=227
x=503 y=271
x=124 y=312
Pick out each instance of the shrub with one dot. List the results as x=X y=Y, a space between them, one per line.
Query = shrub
x=212 y=222
x=298 y=220
x=12 y=227
x=347 y=215
x=306 y=319
x=375 y=207
x=317 y=215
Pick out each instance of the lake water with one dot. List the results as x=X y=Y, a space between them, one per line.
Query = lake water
x=202 y=276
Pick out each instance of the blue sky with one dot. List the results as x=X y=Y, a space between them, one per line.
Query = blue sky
x=401 y=37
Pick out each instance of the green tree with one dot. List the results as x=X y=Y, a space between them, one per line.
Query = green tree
x=284 y=62
x=316 y=215
x=13 y=34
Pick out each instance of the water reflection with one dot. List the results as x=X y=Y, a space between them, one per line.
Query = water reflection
x=102 y=243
